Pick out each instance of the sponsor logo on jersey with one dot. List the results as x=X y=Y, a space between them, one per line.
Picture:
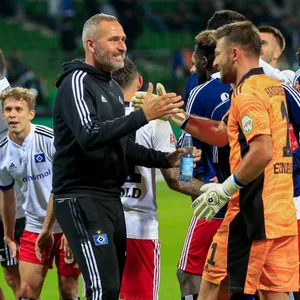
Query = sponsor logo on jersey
x=39 y=158
x=37 y=176
x=12 y=166
x=121 y=100
x=247 y=124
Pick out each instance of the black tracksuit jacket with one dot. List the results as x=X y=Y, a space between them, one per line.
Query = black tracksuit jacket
x=91 y=135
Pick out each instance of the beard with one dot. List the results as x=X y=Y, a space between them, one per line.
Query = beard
x=105 y=62
x=228 y=73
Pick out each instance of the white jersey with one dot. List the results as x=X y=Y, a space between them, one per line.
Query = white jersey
x=139 y=195
x=30 y=166
x=4 y=85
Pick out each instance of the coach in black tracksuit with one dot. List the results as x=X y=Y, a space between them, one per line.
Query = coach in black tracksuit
x=90 y=167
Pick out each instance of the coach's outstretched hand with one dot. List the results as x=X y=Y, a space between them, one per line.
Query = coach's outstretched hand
x=44 y=244
x=157 y=107
x=174 y=157
x=176 y=119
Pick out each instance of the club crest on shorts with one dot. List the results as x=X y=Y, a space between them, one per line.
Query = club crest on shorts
x=100 y=238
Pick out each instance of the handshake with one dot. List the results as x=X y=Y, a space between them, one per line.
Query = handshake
x=162 y=105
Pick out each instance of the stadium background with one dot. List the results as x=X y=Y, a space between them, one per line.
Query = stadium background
x=37 y=36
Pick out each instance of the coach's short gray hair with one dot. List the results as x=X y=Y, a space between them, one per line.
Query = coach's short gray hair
x=92 y=23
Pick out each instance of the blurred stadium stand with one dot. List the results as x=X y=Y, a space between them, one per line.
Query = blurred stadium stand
x=42 y=34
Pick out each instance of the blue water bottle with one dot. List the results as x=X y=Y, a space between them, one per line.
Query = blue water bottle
x=186 y=159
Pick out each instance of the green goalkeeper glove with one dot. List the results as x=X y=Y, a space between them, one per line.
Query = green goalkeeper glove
x=138 y=99
x=215 y=196
x=176 y=119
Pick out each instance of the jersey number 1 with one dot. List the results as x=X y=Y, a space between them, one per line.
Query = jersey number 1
x=287 y=149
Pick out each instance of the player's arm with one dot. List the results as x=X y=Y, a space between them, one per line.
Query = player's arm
x=150 y=158
x=9 y=210
x=45 y=240
x=209 y=131
x=171 y=177
x=92 y=133
x=50 y=219
x=259 y=146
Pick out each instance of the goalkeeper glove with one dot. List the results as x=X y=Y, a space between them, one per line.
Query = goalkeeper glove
x=176 y=119
x=138 y=99
x=215 y=196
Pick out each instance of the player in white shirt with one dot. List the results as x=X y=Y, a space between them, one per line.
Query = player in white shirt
x=142 y=268
x=26 y=155
x=296 y=83
x=9 y=264
x=273 y=45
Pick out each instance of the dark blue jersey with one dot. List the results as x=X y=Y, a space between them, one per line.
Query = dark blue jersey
x=296 y=172
x=203 y=100
x=192 y=83
x=221 y=155
x=293 y=104
x=297 y=77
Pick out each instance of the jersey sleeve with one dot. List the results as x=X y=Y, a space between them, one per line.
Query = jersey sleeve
x=163 y=137
x=6 y=180
x=293 y=105
x=79 y=112
x=251 y=112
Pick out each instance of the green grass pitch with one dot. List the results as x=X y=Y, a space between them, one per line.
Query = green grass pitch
x=174 y=215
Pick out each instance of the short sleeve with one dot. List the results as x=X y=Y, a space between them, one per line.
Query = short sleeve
x=6 y=180
x=252 y=114
x=163 y=138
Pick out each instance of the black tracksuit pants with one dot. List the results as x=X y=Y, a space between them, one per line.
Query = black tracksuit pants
x=96 y=232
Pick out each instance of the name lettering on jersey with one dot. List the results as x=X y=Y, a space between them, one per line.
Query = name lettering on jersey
x=100 y=238
x=274 y=91
x=283 y=168
x=224 y=96
x=247 y=124
x=37 y=177
x=131 y=193
x=103 y=99
x=12 y=166
x=39 y=158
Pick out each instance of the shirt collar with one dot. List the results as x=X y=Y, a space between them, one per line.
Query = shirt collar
x=28 y=138
x=254 y=71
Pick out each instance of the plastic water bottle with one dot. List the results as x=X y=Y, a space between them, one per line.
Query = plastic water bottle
x=186 y=159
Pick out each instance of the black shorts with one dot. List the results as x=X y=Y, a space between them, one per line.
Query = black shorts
x=5 y=254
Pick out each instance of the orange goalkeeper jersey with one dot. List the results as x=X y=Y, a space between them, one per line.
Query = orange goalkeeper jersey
x=258 y=106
